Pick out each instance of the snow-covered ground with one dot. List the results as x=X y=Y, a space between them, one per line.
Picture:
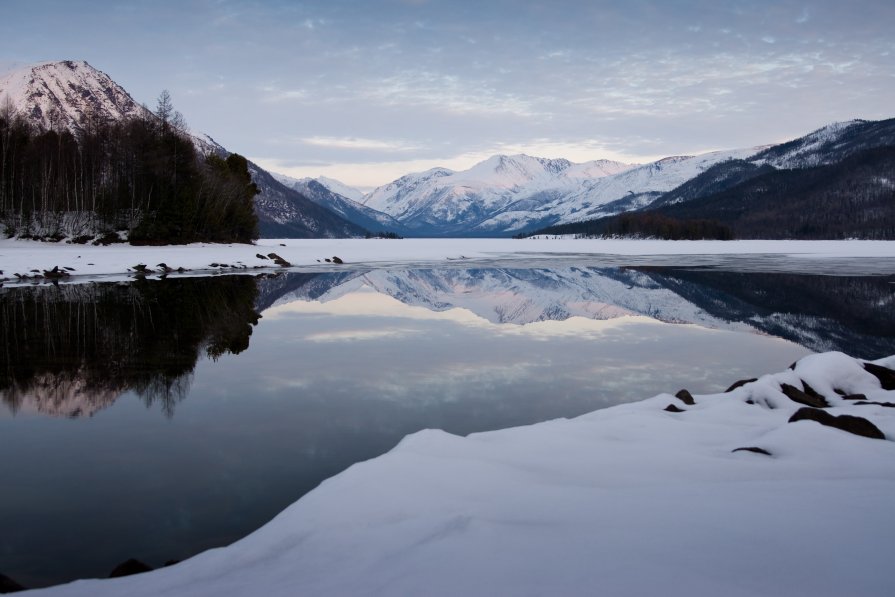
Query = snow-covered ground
x=88 y=262
x=629 y=500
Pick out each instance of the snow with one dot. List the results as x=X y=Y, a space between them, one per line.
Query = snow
x=72 y=88
x=629 y=500
x=90 y=262
x=510 y=192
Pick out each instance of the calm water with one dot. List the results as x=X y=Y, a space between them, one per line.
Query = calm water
x=161 y=418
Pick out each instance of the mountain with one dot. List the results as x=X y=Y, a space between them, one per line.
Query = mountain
x=836 y=182
x=512 y=194
x=854 y=198
x=330 y=194
x=67 y=94
x=498 y=195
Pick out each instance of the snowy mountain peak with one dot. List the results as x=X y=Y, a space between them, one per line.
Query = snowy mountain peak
x=63 y=94
x=341 y=188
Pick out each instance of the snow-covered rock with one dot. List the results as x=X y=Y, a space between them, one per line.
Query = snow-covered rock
x=629 y=500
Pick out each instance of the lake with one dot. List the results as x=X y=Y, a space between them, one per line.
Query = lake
x=159 y=418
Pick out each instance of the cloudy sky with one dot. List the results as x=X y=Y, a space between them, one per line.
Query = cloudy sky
x=365 y=91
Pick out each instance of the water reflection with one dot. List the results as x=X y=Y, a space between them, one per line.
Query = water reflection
x=71 y=350
x=853 y=314
x=342 y=366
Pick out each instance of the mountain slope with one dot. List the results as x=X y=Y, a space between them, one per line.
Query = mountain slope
x=323 y=193
x=836 y=182
x=511 y=194
x=442 y=202
x=67 y=94
x=854 y=198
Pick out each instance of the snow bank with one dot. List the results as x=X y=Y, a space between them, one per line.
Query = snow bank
x=630 y=500
x=89 y=262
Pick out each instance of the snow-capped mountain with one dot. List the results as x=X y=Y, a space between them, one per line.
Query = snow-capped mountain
x=60 y=94
x=66 y=94
x=828 y=145
x=509 y=194
x=325 y=192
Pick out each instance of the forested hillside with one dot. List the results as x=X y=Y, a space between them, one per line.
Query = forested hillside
x=141 y=175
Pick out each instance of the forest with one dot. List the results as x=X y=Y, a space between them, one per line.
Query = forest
x=142 y=176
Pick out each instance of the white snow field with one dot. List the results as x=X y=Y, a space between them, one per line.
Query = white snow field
x=629 y=500
x=88 y=262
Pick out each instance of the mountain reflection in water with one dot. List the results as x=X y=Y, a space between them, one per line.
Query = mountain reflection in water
x=342 y=367
x=71 y=350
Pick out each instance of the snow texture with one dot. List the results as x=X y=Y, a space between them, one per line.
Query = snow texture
x=629 y=500
x=116 y=261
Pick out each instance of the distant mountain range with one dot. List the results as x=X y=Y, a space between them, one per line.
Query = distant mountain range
x=842 y=173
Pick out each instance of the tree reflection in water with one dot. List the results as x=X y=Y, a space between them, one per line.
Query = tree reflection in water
x=71 y=350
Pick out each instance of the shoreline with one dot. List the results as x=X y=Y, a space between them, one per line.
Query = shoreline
x=22 y=260
x=708 y=491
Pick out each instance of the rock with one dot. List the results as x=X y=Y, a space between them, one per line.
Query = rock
x=857 y=425
x=740 y=383
x=854 y=397
x=888 y=404
x=128 y=568
x=673 y=409
x=685 y=397
x=71 y=269
x=260 y=256
x=337 y=260
x=215 y=264
x=8 y=585
x=327 y=259
x=885 y=375
x=140 y=267
x=752 y=449
x=164 y=267
x=750 y=401
x=801 y=397
x=55 y=273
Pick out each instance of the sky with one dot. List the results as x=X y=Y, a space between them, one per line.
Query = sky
x=367 y=91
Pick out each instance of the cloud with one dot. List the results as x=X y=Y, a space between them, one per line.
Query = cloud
x=273 y=94
x=359 y=143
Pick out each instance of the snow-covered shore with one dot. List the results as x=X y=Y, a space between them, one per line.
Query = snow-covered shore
x=629 y=500
x=25 y=257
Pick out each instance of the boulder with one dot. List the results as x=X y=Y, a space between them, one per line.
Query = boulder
x=673 y=409
x=885 y=375
x=857 y=425
x=796 y=395
x=685 y=397
x=740 y=383
x=129 y=567
x=752 y=449
x=8 y=585
x=337 y=260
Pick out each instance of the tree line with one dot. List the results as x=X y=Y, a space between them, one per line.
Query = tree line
x=641 y=225
x=143 y=175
